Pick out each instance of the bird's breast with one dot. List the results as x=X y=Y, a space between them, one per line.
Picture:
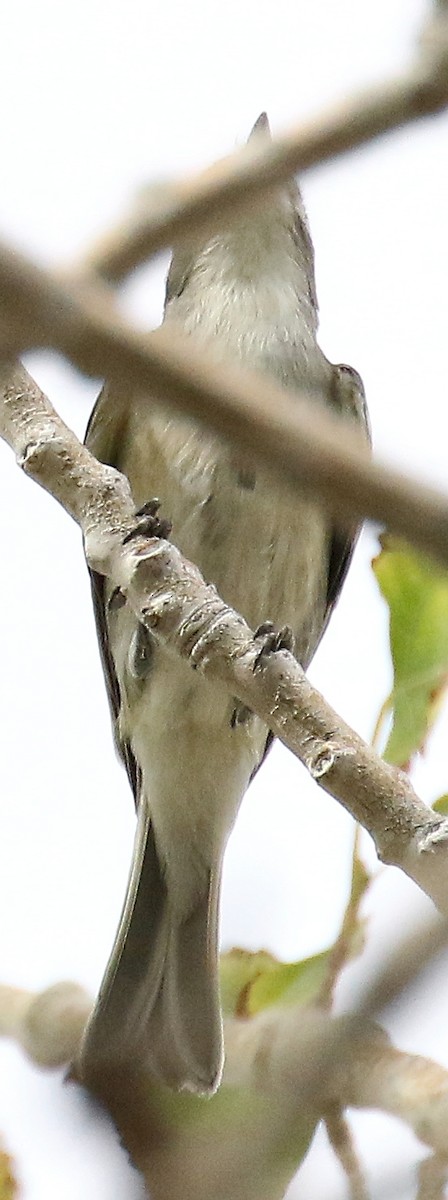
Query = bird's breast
x=263 y=545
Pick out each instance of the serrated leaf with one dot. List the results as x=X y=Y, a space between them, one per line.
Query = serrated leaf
x=416 y=592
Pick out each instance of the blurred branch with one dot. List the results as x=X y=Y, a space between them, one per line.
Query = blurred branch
x=9 y=1189
x=288 y=1064
x=433 y=1178
x=342 y=948
x=405 y=1085
x=169 y=596
x=174 y=210
x=291 y=1064
x=341 y=1141
x=310 y=447
x=47 y=1025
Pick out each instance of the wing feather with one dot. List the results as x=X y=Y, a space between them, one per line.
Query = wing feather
x=104 y=434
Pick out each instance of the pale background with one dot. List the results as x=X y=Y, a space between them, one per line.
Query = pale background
x=98 y=99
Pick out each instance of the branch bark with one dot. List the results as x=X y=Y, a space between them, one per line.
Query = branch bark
x=290 y=432
x=170 y=597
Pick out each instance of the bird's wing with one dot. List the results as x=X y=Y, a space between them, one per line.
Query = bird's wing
x=348 y=396
x=98 y=586
x=105 y=431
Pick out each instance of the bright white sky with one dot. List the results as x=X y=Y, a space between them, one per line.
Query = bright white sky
x=97 y=100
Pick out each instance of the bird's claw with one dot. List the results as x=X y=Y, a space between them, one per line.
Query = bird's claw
x=272 y=640
x=148 y=523
x=240 y=716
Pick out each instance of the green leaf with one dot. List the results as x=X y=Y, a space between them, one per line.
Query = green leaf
x=239 y=970
x=251 y=982
x=289 y=983
x=416 y=592
x=441 y=805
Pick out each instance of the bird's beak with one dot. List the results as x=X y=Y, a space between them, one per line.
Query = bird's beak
x=261 y=127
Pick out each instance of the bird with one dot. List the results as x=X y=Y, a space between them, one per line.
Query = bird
x=245 y=292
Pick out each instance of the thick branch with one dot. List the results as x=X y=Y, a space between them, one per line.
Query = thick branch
x=308 y=445
x=178 y=209
x=169 y=595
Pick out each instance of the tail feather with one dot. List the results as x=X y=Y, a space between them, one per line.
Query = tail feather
x=159 y=1007
x=189 y=997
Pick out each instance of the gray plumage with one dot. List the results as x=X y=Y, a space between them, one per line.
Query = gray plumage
x=247 y=293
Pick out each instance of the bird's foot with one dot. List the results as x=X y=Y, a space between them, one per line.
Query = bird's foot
x=148 y=523
x=272 y=640
x=240 y=716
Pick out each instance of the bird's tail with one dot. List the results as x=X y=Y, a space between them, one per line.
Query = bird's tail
x=159 y=1007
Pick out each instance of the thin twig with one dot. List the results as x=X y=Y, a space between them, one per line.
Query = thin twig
x=411 y=1087
x=341 y=1141
x=351 y=928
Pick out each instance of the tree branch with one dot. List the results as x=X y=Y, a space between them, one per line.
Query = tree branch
x=405 y=1085
x=342 y=1144
x=291 y=1063
x=47 y=1025
x=433 y=1177
x=170 y=597
x=308 y=445
x=167 y=213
